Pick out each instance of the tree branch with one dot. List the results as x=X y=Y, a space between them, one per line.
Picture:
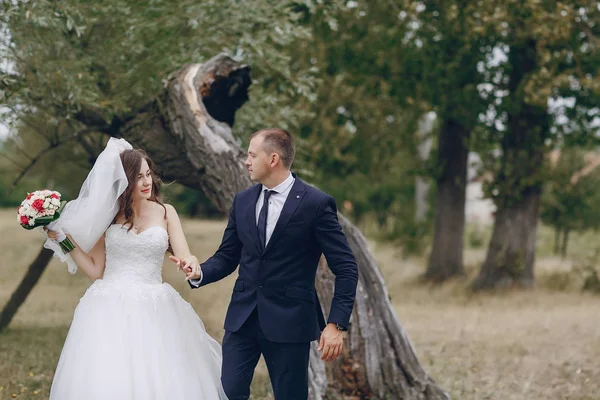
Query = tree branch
x=52 y=145
x=31 y=164
x=3 y=154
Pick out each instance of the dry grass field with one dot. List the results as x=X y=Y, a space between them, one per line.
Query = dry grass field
x=537 y=344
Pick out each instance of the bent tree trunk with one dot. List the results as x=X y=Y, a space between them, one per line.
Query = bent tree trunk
x=193 y=147
x=511 y=253
x=32 y=276
x=446 y=259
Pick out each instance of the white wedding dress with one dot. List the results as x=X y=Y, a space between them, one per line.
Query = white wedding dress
x=133 y=337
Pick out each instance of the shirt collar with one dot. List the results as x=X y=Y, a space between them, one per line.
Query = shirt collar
x=283 y=186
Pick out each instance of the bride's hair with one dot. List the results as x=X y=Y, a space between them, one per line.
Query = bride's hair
x=132 y=162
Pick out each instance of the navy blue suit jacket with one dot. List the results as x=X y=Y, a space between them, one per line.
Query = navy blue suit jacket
x=279 y=280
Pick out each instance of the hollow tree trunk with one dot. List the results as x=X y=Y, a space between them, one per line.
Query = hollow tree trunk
x=34 y=272
x=191 y=146
x=446 y=259
x=511 y=253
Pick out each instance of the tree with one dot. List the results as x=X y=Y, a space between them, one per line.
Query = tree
x=426 y=56
x=355 y=138
x=570 y=200
x=177 y=128
x=548 y=46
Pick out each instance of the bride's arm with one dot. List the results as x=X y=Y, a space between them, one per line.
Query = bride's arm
x=91 y=264
x=179 y=244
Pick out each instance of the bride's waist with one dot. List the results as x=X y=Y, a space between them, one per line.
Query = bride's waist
x=132 y=276
x=131 y=279
x=129 y=289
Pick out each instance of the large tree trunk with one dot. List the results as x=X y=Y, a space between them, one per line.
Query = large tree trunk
x=511 y=254
x=34 y=272
x=191 y=146
x=446 y=260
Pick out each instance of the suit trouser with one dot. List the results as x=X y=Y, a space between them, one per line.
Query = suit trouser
x=287 y=363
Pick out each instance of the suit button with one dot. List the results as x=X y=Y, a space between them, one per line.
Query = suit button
x=259 y=285
x=264 y=260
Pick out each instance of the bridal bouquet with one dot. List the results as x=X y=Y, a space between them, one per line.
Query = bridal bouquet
x=40 y=208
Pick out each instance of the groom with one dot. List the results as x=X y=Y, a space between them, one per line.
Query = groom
x=277 y=231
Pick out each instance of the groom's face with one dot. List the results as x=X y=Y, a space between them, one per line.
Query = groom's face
x=258 y=161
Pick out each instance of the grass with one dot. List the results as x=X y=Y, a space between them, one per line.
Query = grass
x=538 y=344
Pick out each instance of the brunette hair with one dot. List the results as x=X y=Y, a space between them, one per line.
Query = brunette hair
x=132 y=162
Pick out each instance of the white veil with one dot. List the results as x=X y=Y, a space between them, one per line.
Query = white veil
x=88 y=216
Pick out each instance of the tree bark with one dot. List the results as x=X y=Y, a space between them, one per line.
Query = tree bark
x=197 y=150
x=565 y=243
x=511 y=253
x=34 y=272
x=556 y=241
x=446 y=259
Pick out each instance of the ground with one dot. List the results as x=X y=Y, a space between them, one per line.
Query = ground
x=538 y=344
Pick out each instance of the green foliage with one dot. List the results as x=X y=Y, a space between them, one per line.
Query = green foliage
x=189 y=202
x=66 y=61
x=351 y=78
x=358 y=142
x=550 y=57
x=113 y=56
x=571 y=198
x=477 y=236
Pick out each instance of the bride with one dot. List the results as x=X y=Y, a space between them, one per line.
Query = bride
x=132 y=337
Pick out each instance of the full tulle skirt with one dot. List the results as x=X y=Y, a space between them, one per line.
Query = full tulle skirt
x=137 y=342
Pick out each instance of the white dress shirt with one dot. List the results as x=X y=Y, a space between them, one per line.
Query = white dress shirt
x=276 y=202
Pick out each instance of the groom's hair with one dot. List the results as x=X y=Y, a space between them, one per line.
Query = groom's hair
x=280 y=141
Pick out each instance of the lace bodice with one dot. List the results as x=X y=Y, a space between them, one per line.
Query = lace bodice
x=135 y=257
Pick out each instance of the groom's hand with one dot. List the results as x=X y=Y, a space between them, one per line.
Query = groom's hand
x=331 y=343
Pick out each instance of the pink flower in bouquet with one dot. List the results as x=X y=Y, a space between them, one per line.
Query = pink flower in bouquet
x=38 y=205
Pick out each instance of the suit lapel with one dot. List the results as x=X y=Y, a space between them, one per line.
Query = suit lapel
x=251 y=216
x=289 y=207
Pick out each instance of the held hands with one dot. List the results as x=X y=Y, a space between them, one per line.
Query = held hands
x=189 y=265
x=331 y=343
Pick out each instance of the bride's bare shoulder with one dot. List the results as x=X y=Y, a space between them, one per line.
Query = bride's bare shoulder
x=171 y=211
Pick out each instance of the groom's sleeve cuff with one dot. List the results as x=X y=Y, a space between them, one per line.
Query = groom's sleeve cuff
x=195 y=283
